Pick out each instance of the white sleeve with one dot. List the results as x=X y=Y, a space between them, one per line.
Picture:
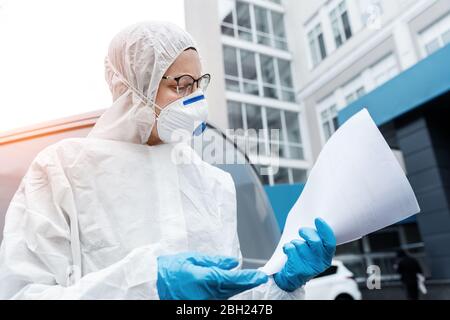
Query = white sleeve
x=36 y=257
x=268 y=290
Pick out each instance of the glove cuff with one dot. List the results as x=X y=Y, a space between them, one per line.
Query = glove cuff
x=284 y=283
x=164 y=291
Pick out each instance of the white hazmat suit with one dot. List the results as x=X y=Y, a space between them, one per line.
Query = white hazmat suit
x=92 y=215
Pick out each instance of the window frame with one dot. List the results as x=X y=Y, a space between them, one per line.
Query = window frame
x=325 y=105
x=434 y=32
x=282 y=92
x=314 y=45
x=338 y=19
x=273 y=38
x=284 y=139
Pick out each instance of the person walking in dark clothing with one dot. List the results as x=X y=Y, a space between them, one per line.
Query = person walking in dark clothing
x=408 y=268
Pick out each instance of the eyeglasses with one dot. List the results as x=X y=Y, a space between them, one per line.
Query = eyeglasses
x=185 y=83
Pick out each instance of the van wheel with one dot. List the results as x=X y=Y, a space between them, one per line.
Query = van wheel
x=344 y=296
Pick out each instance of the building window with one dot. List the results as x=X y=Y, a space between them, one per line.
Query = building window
x=277 y=78
x=385 y=240
x=432 y=46
x=268 y=77
x=298 y=175
x=264 y=178
x=294 y=138
x=249 y=77
x=231 y=69
x=241 y=74
x=435 y=36
x=286 y=83
x=446 y=37
x=290 y=143
x=235 y=115
x=329 y=121
x=411 y=234
x=253 y=117
x=353 y=90
x=249 y=116
x=244 y=25
x=284 y=175
x=355 y=95
x=262 y=26
x=279 y=32
x=275 y=122
x=228 y=14
x=317 y=45
x=379 y=73
x=384 y=70
x=340 y=24
x=267 y=27
x=380 y=248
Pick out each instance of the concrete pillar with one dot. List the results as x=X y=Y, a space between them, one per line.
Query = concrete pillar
x=405 y=46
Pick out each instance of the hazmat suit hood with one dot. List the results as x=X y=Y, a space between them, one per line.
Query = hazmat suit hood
x=138 y=57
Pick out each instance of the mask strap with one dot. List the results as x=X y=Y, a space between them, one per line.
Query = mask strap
x=143 y=98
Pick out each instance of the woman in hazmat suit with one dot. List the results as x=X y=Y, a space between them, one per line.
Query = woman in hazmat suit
x=116 y=215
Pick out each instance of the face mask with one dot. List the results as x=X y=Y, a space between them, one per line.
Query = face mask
x=183 y=118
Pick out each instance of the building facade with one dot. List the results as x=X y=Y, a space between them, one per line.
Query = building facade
x=245 y=45
x=354 y=51
x=304 y=67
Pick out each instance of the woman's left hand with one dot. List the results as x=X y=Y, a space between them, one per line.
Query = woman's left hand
x=308 y=258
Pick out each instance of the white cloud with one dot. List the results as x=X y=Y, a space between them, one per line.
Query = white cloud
x=51 y=53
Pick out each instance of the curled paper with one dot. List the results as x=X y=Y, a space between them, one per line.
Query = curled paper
x=357 y=186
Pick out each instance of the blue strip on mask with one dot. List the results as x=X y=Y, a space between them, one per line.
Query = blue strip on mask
x=200 y=129
x=194 y=99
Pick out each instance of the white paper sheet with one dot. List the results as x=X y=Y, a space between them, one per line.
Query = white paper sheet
x=357 y=186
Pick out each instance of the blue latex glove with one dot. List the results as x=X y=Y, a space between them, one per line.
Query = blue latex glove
x=193 y=276
x=308 y=258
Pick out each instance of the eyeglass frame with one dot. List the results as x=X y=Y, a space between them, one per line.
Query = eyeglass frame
x=196 y=81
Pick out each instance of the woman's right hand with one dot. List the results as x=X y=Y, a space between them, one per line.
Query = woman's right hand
x=194 y=276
